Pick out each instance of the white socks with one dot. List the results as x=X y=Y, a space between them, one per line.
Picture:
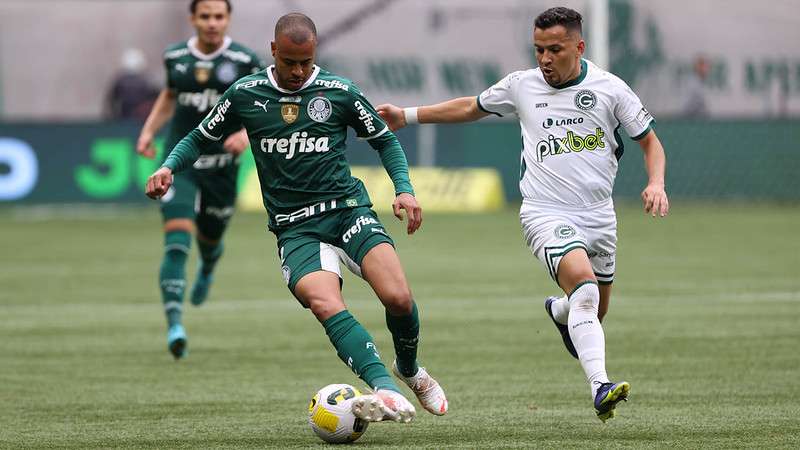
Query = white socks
x=560 y=310
x=587 y=333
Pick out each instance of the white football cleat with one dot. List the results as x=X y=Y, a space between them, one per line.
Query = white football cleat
x=429 y=393
x=382 y=405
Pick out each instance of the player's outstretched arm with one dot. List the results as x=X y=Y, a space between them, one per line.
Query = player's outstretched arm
x=162 y=111
x=462 y=109
x=181 y=157
x=654 y=196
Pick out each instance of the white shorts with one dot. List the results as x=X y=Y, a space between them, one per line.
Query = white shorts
x=552 y=231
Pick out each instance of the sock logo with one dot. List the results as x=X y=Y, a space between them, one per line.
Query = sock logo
x=585 y=322
x=370 y=345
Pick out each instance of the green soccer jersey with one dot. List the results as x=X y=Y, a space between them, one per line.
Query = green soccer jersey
x=199 y=80
x=298 y=141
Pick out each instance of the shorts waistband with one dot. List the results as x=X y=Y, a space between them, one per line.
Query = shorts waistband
x=563 y=206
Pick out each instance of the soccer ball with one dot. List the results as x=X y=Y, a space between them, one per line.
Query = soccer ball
x=330 y=415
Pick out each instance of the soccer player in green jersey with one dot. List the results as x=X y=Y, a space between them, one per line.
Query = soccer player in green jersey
x=202 y=197
x=296 y=116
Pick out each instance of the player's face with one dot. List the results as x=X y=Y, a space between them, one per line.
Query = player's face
x=293 y=62
x=558 y=53
x=210 y=20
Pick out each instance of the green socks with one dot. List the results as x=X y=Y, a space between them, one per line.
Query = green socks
x=356 y=348
x=405 y=334
x=209 y=254
x=172 y=277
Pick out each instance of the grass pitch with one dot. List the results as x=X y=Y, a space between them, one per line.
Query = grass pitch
x=703 y=323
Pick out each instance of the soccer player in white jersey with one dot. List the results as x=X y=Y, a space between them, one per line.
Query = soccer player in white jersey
x=570 y=111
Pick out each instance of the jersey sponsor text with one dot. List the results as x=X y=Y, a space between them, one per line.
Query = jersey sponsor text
x=298 y=142
x=573 y=143
x=200 y=100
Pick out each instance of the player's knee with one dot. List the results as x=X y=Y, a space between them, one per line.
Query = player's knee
x=399 y=301
x=586 y=297
x=323 y=307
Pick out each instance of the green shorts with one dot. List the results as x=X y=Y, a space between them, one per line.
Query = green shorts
x=321 y=242
x=207 y=197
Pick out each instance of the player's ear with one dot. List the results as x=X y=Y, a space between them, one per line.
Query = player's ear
x=581 y=47
x=272 y=47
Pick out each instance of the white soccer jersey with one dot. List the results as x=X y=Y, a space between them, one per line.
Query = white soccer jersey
x=570 y=137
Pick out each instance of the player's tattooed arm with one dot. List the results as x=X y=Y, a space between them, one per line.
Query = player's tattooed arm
x=654 y=195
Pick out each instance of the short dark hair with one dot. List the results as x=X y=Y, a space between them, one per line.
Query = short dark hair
x=193 y=5
x=568 y=18
x=297 y=26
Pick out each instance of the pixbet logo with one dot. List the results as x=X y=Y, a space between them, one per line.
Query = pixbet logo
x=362 y=221
x=573 y=143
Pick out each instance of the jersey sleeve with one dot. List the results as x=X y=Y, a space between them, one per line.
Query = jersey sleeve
x=500 y=99
x=362 y=117
x=630 y=112
x=222 y=120
x=167 y=67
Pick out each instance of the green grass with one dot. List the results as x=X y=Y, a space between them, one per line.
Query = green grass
x=703 y=323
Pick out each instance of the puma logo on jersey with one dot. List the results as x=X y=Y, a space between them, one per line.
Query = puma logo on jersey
x=262 y=105
x=296 y=143
x=573 y=143
x=181 y=68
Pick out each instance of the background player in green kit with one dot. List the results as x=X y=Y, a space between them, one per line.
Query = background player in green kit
x=203 y=196
x=296 y=116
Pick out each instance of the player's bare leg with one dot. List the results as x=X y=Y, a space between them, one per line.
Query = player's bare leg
x=605 y=300
x=172 y=281
x=576 y=278
x=320 y=292
x=382 y=269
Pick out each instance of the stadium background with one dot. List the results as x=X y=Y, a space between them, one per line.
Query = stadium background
x=717 y=279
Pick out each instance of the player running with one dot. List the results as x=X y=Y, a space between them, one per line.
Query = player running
x=570 y=111
x=296 y=115
x=202 y=198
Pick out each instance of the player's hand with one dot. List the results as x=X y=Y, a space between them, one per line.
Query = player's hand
x=655 y=200
x=158 y=184
x=393 y=115
x=409 y=203
x=145 y=147
x=236 y=143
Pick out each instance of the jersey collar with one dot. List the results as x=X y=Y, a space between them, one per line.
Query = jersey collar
x=308 y=82
x=579 y=79
x=192 y=45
